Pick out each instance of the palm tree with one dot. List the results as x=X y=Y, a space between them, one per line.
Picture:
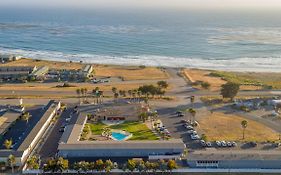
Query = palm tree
x=244 y=125
x=33 y=163
x=108 y=165
x=78 y=92
x=85 y=93
x=26 y=116
x=8 y=143
x=11 y=162
x=130 y=93
x=114 y=90
x=192 y=112
x=139 y=95
x=116 y=95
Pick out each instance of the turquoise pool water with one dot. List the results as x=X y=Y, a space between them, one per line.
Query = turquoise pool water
x=118 y=136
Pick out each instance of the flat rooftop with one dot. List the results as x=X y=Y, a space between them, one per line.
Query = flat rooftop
x=217 y=155
x=51 y=106
x=7 y=119
x=70 y=139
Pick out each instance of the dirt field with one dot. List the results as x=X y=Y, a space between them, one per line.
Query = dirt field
x=50 y=64
x=220 y=126
x=130 y=72
x=203 y=75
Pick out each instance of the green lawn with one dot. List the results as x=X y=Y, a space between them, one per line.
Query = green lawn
x=139 y=130
x=96 y=128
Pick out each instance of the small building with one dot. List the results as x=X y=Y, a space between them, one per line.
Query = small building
x=235 y=159
x=16 y=72
x=4 y=58
x=40 y=72
x=86 y=71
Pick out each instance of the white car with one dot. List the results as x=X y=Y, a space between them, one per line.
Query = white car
x=195 y=137
x=218 y=143
x=192 y=132
x=188 y=127
x=224 y=144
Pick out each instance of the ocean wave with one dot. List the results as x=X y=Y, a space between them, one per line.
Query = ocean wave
x=258 y=35
x=266 y=64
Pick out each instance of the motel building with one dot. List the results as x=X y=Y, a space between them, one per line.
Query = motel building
x=234 y=159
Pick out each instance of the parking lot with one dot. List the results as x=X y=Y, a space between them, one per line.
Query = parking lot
x=50 y=145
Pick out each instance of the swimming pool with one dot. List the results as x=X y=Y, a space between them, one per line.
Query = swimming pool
x=118 y=136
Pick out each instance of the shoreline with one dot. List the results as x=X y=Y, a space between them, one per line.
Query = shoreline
x=81 y=62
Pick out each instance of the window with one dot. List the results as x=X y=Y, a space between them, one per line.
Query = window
x=207 y=163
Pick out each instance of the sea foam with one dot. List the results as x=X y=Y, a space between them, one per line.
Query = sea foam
x=267 y=64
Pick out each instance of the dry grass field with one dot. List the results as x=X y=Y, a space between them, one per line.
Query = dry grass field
x=203 y=75
x=130 y=72
x=52 y=86
x=51 y=64
x=220 y=126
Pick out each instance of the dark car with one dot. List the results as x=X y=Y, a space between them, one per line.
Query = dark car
x=253 y=144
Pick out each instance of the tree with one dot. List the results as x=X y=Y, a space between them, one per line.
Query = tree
x=205 y=85
x=171 y=165
x=85 y=93
x=192 y=112
x=99 y=165
x=26 y=116
x=163 y=84
x=108 y=165
x=116 y=95
x=192 y=99
x=143 y=116
x=11 y=162
x=204 y=137
x=114 y=90
x=130 y=93
x=148 y=165
x=33 y=163
x=131 y=165
x=56 y=165
x=8 y=143
x=61 y=164
x=141 y=166
x=162 y=165
x=244 y=125
x=78 y=92
x=229 y=90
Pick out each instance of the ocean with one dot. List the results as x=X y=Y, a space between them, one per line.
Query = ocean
x=223 y=40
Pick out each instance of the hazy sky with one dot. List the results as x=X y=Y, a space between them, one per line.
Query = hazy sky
x=262 y=4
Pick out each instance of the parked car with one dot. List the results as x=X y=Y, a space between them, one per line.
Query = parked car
x=229 y=144
x=194 y=124
x=276 y=144
x=180 y=115
x=62 y=129
x=223 y=144
x=234 y=144
x=184 y=121
x=203 y=143
x=208 y=144
x=195 y=137
x=218 y=143
x=188 y=127
x=253 y=144
x=191 y=132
